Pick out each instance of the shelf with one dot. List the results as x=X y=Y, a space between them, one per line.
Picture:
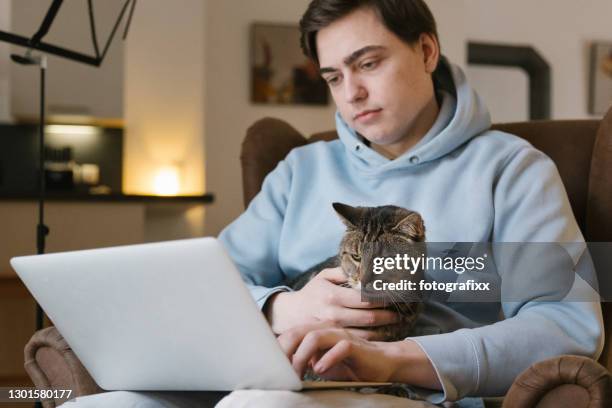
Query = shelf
x=83 y=197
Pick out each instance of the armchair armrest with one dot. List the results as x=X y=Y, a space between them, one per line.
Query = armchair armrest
x=51 y=363
x=564 y=381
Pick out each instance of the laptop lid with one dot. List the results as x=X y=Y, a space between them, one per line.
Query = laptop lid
x=172 y=315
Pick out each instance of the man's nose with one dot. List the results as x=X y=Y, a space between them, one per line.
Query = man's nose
x=354 y=90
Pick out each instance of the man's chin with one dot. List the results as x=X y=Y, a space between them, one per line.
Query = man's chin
x=380 y=140
x=371 y=135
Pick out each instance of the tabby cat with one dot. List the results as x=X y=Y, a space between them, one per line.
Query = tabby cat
x=377 y=232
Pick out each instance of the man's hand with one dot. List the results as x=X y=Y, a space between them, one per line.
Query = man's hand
x=322 y=299
x=335 y=353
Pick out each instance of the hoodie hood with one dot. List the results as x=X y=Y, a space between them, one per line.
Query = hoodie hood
x=462 y=116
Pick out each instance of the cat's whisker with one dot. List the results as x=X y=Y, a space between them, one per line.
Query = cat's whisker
x=406 y=297
x=393 y=303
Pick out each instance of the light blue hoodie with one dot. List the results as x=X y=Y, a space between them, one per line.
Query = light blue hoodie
x=470 y=184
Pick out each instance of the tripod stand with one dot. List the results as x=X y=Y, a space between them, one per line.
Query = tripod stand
x=41 y=229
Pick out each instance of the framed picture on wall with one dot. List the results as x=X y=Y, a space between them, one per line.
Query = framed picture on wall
x=600 y=98
x=280 y=73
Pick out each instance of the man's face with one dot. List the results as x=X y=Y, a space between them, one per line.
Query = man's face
x=381 y=85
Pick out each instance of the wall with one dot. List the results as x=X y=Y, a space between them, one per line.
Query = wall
x=559 y=30
x=5 y=91
x=72 y=87
x=492 y=82
x=164 y=95
x=229 y=112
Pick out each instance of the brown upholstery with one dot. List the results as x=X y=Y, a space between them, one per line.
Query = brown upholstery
x=599 y=221
x=50 y=362
x=599 y=211
x=257 y=162
x=563 y=382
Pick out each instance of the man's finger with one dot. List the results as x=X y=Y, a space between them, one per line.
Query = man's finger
x=348 y=297
x=291 y=339
x=336 y=355
x=314 y=359
x=312 y=344
x=346 y=317
x=334 y=275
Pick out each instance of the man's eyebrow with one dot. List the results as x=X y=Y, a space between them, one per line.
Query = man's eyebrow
x=353 y=57
x=326 y=70
x=356 y=54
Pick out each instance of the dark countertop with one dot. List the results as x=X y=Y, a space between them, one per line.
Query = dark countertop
x=84 y=197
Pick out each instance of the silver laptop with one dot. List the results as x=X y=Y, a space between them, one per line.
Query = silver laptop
x=172 y=315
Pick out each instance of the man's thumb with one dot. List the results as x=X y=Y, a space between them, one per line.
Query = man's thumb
x=335 y=275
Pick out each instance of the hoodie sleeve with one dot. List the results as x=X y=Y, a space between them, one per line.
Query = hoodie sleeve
x=531 y=205
x=252 y=240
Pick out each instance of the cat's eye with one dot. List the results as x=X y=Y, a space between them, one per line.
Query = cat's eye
x=356 y=257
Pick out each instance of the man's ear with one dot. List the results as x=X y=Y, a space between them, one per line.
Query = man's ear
x=412 y=226
x=349 y=216
x=431 y=51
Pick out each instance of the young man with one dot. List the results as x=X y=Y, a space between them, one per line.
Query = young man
x=405 y=139
x=412 y=133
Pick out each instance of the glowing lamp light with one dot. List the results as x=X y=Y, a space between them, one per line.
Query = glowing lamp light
x=166 y=182
x=72 y=130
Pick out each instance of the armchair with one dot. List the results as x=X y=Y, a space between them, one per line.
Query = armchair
x=582 y=151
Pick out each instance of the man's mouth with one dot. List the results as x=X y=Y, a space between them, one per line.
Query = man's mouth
x=366 y=114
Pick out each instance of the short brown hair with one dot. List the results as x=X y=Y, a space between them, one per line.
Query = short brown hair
x=407 y=19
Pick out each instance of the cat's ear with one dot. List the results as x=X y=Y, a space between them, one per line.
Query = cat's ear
x=349 y=216
x=411 y=225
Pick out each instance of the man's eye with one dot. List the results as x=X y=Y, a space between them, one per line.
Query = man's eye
x=333 y=80
x=356 y=257
x=368 y=65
